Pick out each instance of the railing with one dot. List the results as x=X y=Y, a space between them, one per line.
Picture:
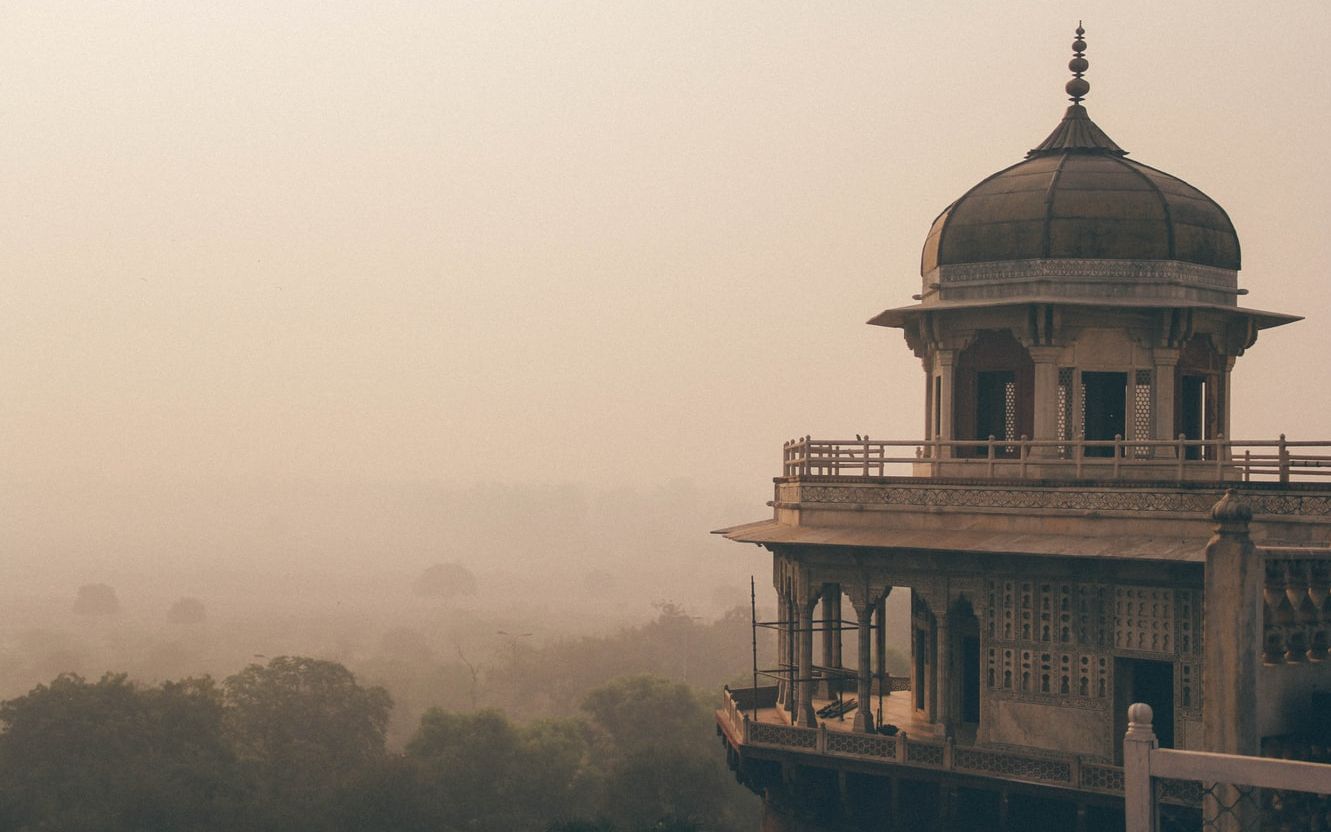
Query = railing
x=1049 y=769
x=1226 y=793
x=1296 y=621
x=1219 y=459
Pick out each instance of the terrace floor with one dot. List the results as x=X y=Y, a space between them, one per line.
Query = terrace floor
x=897 y=710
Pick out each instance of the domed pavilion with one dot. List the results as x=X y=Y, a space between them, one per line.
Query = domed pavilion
x=1077 y=530
x=1080 y=295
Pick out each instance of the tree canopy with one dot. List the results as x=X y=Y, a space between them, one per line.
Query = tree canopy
x=297 y=745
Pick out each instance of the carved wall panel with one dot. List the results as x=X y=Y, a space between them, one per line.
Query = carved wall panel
x=1144 y=619
x=1054 y=641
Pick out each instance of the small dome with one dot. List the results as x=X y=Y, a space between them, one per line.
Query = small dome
x=1076 y=196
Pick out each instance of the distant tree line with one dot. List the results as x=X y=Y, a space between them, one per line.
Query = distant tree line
x=298 y=744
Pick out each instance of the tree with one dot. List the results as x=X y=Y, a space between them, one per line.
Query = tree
x=96 y=599
x=305 y=729
x=661 y=766
x=111 y=755
x=187 y=611
x=648 y=713
x=487 y=774
x=297 y=708
x=446 y=580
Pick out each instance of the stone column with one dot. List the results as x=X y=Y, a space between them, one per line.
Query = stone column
x=1166 y=367
x=831 y=640
x=804 y=711
x=863 y=615
x=1233 y=639
x=1226 y=426
x=791 y=658
x=1046 y=397
x=944 y=368
x=943 y=673
x=880 y=639
x=782 y=649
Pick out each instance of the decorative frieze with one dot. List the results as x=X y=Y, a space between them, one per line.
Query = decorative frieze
x=1081 y=499
x=1120 y=271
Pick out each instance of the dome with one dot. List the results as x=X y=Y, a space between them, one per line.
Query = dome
x=1076 y=196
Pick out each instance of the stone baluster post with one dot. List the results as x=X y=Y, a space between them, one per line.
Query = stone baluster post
x=1233 y=640
x=1138 y=799
x=1233 y=579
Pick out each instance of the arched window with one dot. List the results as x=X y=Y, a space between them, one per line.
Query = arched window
x=995 y=393
x=1199 y=404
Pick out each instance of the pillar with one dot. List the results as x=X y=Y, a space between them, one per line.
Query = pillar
x=865 y=606
x=790 y=660
x=863 y=714
x=805 y=715
x=931 y=671
x=1166 y=371
x=943 y=674
x=879 y=618
x=1233 y=639
x=944 y=368
x=782 y=649
x=831 y=639
x=1226 y=426
x=1046 y=397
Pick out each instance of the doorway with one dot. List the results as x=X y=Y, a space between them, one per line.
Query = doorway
x=970 y=678
x=1104 y=397
x=996 y=404
x=1192 y=411
x=1152 y=682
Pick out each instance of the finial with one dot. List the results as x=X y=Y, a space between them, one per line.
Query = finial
x=1231 y=512
x=1078 y=86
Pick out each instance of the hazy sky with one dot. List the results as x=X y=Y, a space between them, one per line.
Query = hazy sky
x=619 y=242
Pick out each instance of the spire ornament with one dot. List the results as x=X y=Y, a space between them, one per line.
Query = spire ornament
x=1076 y=132
x=1078 y=86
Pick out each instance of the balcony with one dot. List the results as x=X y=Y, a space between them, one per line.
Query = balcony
x=1220 y=460
x=751 y=724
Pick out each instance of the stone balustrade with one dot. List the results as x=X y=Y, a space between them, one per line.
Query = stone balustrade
x=1296 y=605
x=1196 y=460
x=1048 y=769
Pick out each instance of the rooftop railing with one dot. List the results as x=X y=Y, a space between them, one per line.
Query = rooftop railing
x=1218 y=459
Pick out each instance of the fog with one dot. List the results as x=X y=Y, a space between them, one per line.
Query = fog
x=300 y=299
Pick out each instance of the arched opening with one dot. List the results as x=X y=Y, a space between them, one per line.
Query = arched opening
x=1199 y=402
x=994 y=393
x=966 y=632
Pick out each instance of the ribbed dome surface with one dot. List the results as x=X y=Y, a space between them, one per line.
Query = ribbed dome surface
x=1078 y=197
